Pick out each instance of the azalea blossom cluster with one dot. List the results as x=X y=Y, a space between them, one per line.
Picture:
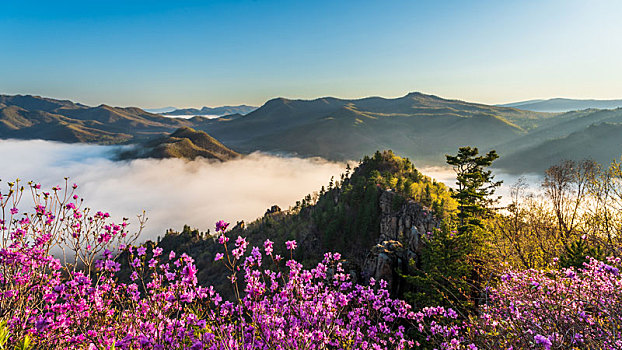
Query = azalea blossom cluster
x=60 y=222
x=80 y=301
x=537 y=309
x=558 y=309
x=52 y=304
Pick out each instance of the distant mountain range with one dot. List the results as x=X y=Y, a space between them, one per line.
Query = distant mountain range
x=594 y=134
x=421 y=127
x=218 y=111
x=556 y=105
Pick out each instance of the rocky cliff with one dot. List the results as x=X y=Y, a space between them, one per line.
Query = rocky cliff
x=401 y=230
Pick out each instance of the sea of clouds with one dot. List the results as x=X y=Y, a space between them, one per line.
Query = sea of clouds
x=175 y=192
x=532 y=181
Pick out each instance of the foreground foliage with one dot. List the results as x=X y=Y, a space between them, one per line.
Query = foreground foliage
x=556 y=291
x=280 y=304
x=535 y=309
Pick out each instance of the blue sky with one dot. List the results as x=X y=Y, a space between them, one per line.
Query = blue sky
x=195 y=53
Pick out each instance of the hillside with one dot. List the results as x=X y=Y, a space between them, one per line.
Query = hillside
x=34 y=117
x=185 y=143
x=381 y=207
x=556 y=105
x=423 y=127
x=573 y=135
x=220 y=111
x=599 y=142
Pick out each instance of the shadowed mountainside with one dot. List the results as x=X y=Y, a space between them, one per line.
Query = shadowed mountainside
x=599 y=142
x=185 y=143
x=422 y=127
x=33 y=117
x=588 y=134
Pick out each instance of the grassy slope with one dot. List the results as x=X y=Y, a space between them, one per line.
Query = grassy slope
x=31 y=117
x=184 y=143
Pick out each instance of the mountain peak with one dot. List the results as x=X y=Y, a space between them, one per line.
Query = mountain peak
x=417 y=94
x=278 y=100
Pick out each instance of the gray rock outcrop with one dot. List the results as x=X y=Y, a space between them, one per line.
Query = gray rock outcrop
x=399 y=241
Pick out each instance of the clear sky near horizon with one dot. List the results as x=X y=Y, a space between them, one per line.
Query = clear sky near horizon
x=196 y=53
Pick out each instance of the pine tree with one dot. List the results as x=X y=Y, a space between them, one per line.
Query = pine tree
x=577 y=253
x=475 y=186
x=449 y=270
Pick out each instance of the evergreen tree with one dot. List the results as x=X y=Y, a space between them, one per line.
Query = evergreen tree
x=438 y=278
x=577 y=253
x=475 y=186
x=449 y=270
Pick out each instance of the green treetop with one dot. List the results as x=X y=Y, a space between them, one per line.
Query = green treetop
x=475 y=185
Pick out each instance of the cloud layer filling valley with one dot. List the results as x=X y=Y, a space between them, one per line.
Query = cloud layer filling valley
x=173 y=192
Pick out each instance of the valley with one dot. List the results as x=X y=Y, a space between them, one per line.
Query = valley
x=421 y=127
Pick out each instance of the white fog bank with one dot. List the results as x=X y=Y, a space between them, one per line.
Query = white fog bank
x=447 y=176
x=173 y=192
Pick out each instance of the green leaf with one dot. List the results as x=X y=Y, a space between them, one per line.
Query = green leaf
x=4 y=335
x=24 y=344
